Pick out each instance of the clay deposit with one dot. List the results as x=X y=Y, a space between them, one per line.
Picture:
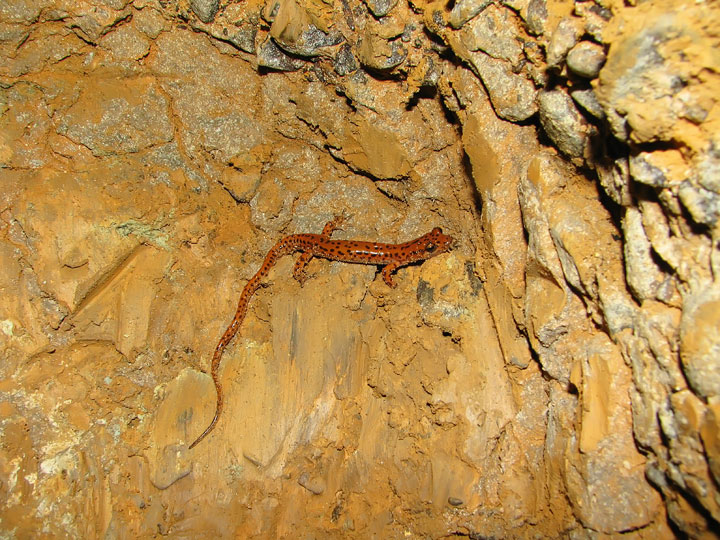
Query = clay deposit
x=555 y=375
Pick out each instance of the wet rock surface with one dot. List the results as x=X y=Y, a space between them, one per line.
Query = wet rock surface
x=555 y=374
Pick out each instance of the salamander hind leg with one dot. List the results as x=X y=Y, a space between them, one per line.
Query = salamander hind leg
x=299 y=269
x=387 y=271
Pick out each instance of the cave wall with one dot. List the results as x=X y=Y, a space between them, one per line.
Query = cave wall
x=555 y=374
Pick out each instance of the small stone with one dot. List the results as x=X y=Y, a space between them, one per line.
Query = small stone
x=270 y=56
x=700 y=341
x=595 y=19
x=314 y=485
x=380 y=8
x=380 y=54
x=645 y=172
x=494 y=32
x=614 y=177
x=536 y=16
x=244 y=38
x=703 y=205
x=21 y=12
x=149 y=22
x=588 y=102
x=126 y=43
x=642 y=274
x=454 y=501
x=270 y=10
x=310 y=42
x=562 y=40
x=512 y=95
x=345 y=61
x=586 y=59
x=205 y=10
x=708 y=167
x=563 y=122
x=464 y=10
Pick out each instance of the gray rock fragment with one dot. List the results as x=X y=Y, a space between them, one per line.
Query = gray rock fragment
x=271 y=56
x=588 y=102
x=700 y=341
x=536 y=17
x=270 y=10
x=380 y=8
x=637 y=77
x=703 y=205
x=708 y=168
x=310 y=43
x=614 y=177
x=642 y=274
x=22 y=12
x=563 y=123
x=512 y=95
x=645 y=172
x=345 y=61
x=595 y=19
x=205 y=10
x=126 y=43
x=380 y=54
x=149 y=22
x=244 y=38
x=494 y=32
x=586 y=59
x=464 y=10
x=126 y=124
x=564 y=38
x=314 y=485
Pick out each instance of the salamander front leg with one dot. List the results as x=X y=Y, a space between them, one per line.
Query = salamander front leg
x=300 y=264
x=332 y=226
x=389 y=269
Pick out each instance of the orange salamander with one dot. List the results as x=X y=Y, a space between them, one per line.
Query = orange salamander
x=391 y=256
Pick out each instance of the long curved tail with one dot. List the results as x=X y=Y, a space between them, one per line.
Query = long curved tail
x=283 y=247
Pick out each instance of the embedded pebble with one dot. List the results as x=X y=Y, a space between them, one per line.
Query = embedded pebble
x=562 y=40
x=380 y=8
x=536 y=16
x=310 y=42
x=643 y=171
x=703 y=204
x=345 y=61
x=586 y=59
x=205 y=10
x=563 y=122
x=512 y=95
x=380 y=54
x=464 y=10
x=588 y=102
x=270 y=56
x=595 y=19
x=314 y=485
x=700 y=341
x=495 y=33
x=244 y=38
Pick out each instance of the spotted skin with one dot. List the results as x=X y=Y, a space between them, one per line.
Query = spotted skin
x=391 y=256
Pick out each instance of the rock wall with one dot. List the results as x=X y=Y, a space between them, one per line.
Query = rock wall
x=557 y=374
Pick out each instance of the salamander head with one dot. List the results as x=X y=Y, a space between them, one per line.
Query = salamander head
x=432 y=243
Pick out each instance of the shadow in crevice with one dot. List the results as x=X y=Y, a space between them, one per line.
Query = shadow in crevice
x=467 y=171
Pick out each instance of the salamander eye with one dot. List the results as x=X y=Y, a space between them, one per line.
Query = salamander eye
x=430 y=247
